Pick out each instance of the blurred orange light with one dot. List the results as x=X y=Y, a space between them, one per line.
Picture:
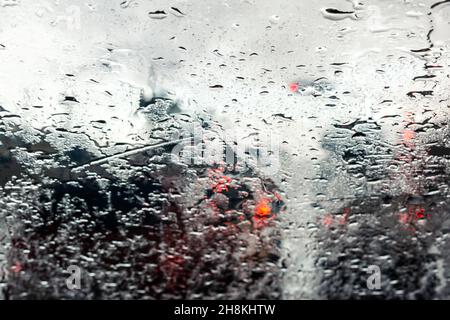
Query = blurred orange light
x=408 y=135
x=263 y=208
x=293 y=87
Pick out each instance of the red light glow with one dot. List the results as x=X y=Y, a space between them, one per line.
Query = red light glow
x=293 y=87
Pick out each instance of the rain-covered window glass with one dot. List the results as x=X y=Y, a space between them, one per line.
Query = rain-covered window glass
x=224 y=149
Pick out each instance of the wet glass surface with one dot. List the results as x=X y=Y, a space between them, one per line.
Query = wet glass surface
x=224 y=150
